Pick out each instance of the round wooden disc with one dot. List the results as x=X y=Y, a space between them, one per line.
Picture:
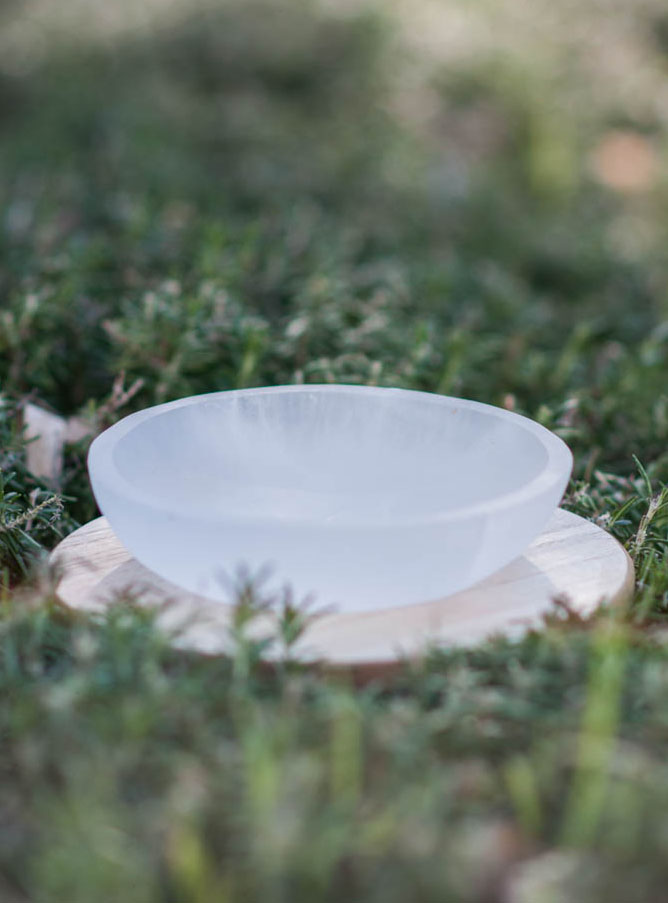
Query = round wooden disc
x=572 y=559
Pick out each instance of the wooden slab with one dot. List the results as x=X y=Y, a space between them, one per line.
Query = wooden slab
x=572 y=559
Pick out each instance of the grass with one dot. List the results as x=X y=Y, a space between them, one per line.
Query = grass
x=238 y=198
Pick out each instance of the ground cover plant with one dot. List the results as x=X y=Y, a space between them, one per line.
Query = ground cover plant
x=247 y=194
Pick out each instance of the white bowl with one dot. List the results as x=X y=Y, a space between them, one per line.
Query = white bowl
x=365 y=497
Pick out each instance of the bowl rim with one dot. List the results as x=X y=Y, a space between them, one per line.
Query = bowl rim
x=102 y=468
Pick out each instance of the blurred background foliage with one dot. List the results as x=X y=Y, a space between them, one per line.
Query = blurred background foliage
x=466 y=200
x=461 y=197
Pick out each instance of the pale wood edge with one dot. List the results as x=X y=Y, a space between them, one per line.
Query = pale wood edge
x=360 y=670
x=625 y=594
x=363 y=673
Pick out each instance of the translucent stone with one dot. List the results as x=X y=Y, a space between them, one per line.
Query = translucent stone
x=363 y=497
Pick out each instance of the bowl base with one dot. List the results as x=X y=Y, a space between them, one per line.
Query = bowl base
x=572 y=559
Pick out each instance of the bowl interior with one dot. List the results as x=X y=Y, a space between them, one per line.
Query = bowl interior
x=327 y=454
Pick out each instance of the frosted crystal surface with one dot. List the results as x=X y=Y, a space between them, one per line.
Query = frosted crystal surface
x=365 y=497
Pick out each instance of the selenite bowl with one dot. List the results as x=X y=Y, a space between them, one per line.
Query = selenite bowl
x=363 y=497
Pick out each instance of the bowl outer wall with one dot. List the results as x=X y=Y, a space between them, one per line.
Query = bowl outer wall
x=391 y=563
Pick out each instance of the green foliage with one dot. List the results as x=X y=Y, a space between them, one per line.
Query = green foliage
x=31 y=514
x=236 y=198
x=214 y=780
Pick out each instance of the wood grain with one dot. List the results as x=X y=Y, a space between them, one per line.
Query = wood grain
x=572 y=559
